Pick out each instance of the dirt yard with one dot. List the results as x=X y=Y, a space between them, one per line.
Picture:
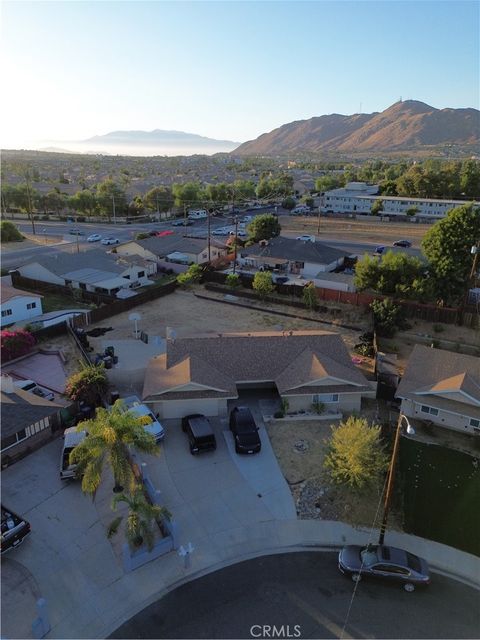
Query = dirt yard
x=300 y=447
x=372 y=230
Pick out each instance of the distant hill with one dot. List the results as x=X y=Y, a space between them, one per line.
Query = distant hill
x=158 y=142
x=405 y=126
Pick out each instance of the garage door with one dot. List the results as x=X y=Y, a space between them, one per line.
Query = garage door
x=180 y=408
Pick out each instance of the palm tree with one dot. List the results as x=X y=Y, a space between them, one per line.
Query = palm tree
x=140 y=519
x=110 y=434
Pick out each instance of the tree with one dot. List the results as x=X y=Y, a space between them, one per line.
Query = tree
x=310 y=298
x=111 y=198
x=187 y=194
x=158 y=199
x=447 y=246
x=191 y=276
x=412 y=211
x=355 y=456
x=262 y=283
x=289 y=203
x=377 y=207
x=387 y=317
x=263 y=227
x=141 y=517
x=232 y=280
x=83 y=201
x=136 y=206
x=110 y=436
x=329 y=182
x=9 y=232
x=14 y=344
x=367 y=273
x=397 y=274
x=470 y=178
x=88 y=385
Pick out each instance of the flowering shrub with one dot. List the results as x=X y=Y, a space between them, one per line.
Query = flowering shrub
x=88 y=385
x=14 y=344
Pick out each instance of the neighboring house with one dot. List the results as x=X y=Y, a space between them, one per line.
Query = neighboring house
x=193 y=250
x=358 y=197
x=93 y=270
x=17 y=305
x=443 y=388
x=27 y=420
x=289 y=256
x=200 y=374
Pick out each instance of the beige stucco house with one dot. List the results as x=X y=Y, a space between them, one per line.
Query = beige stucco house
x=193 y=250
x=200 y=374
x=443 y=388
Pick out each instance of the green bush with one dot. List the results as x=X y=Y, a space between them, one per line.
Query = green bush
x=438 y=328
x=9 y=232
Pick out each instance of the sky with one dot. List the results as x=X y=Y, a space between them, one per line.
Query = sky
x=227 y=70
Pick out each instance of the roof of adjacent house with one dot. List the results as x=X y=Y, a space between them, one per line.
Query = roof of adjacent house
x=434 y=374
x=64 y=263
x=291 y=249
x=215 y=364
x=8 y=292
x=162 y=246
x=22 y=408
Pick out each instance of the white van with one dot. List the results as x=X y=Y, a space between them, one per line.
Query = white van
x=71 y=438
x=197 y=214
x=145 y=417
x=300 y=210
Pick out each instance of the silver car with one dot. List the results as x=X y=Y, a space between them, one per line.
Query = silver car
x=387 y=563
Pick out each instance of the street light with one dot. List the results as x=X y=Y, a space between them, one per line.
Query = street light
x=391 y=473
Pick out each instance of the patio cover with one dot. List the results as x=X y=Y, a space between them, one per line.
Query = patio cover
x=267 y=260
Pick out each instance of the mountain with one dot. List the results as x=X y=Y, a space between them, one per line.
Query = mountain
x=405 y=126
x=158 y=142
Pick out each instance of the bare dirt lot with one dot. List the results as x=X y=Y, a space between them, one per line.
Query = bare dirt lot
x=372 y=230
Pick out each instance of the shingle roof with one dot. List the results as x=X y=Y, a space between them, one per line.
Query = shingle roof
x=162 y=246
x=8 y=292
x=222 y=361
x=21 y=409
x=288 y=248
x=434 y=373
x=62 y=263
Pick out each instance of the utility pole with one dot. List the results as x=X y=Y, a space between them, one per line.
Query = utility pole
x=208 y=234
x=475 y=251
x=318 y=223
x=29 y=197
x=113 y=207
x=158 y=211
x=184 y=219
x=235 y=246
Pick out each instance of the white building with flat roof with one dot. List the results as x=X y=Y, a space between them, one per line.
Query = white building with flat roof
x=358 y=197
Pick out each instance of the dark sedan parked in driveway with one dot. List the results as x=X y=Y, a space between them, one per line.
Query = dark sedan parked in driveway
x=245 y=431
x=387 y=563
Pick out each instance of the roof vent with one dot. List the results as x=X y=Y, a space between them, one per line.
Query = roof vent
x=7 y=384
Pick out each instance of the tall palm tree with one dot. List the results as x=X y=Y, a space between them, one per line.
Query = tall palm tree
x=110 y=434
x=141 y=517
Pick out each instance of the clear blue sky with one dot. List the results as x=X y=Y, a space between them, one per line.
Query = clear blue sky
x=228 y=70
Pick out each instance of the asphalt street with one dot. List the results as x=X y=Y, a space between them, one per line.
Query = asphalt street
x=305 y=596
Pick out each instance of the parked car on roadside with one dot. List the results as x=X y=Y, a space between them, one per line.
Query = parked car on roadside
x=76 y=232
x=14 y=529
x=306 y=238
x=182 y=222
x=145 y=417
x=199 y=433
x=95 y=237
x=402 y=243
x=379 y=250
x=71 y=438
x=386 y=563
x=221 y=231
x=110 y=240
x=245 y=431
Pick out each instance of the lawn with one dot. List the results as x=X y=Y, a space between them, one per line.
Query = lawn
x=53 y=302
x=441 y=494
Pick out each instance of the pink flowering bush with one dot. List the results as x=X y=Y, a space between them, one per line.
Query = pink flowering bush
x=16 y=343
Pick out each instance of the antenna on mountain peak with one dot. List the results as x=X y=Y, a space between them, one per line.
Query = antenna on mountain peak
x=400 y=99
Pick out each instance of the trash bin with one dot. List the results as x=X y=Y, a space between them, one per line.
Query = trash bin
x=110 y=351
x=114 y=396
x=108 y=362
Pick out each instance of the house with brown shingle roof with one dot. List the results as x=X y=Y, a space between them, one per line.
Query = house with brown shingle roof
x=200 y=374
x=443 y=388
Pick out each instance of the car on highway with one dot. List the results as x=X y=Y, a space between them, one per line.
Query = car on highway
x=240 y=233
x=14 y=529
x=221 y=231
x=76 y=232
x=306 y=238
x=385 y=563
x=402 y=243
x=95 y=237
x=182 y=222
x=199 y=433
x=379 y=250
x=110 y=240
x=245 y=431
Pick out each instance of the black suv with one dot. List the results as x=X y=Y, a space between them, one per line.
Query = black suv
x=244 y=430
x=14 y=529
x=200 y=433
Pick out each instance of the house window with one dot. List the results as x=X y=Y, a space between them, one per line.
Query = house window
x=430 y=410
x=475 y=423
x=31 y=305
x=141 y=274
x=127 y=277
x=7 y=312
x=326 y=398
x=82 y=285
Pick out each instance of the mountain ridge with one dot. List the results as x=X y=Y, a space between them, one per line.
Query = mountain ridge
x=410 y=125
